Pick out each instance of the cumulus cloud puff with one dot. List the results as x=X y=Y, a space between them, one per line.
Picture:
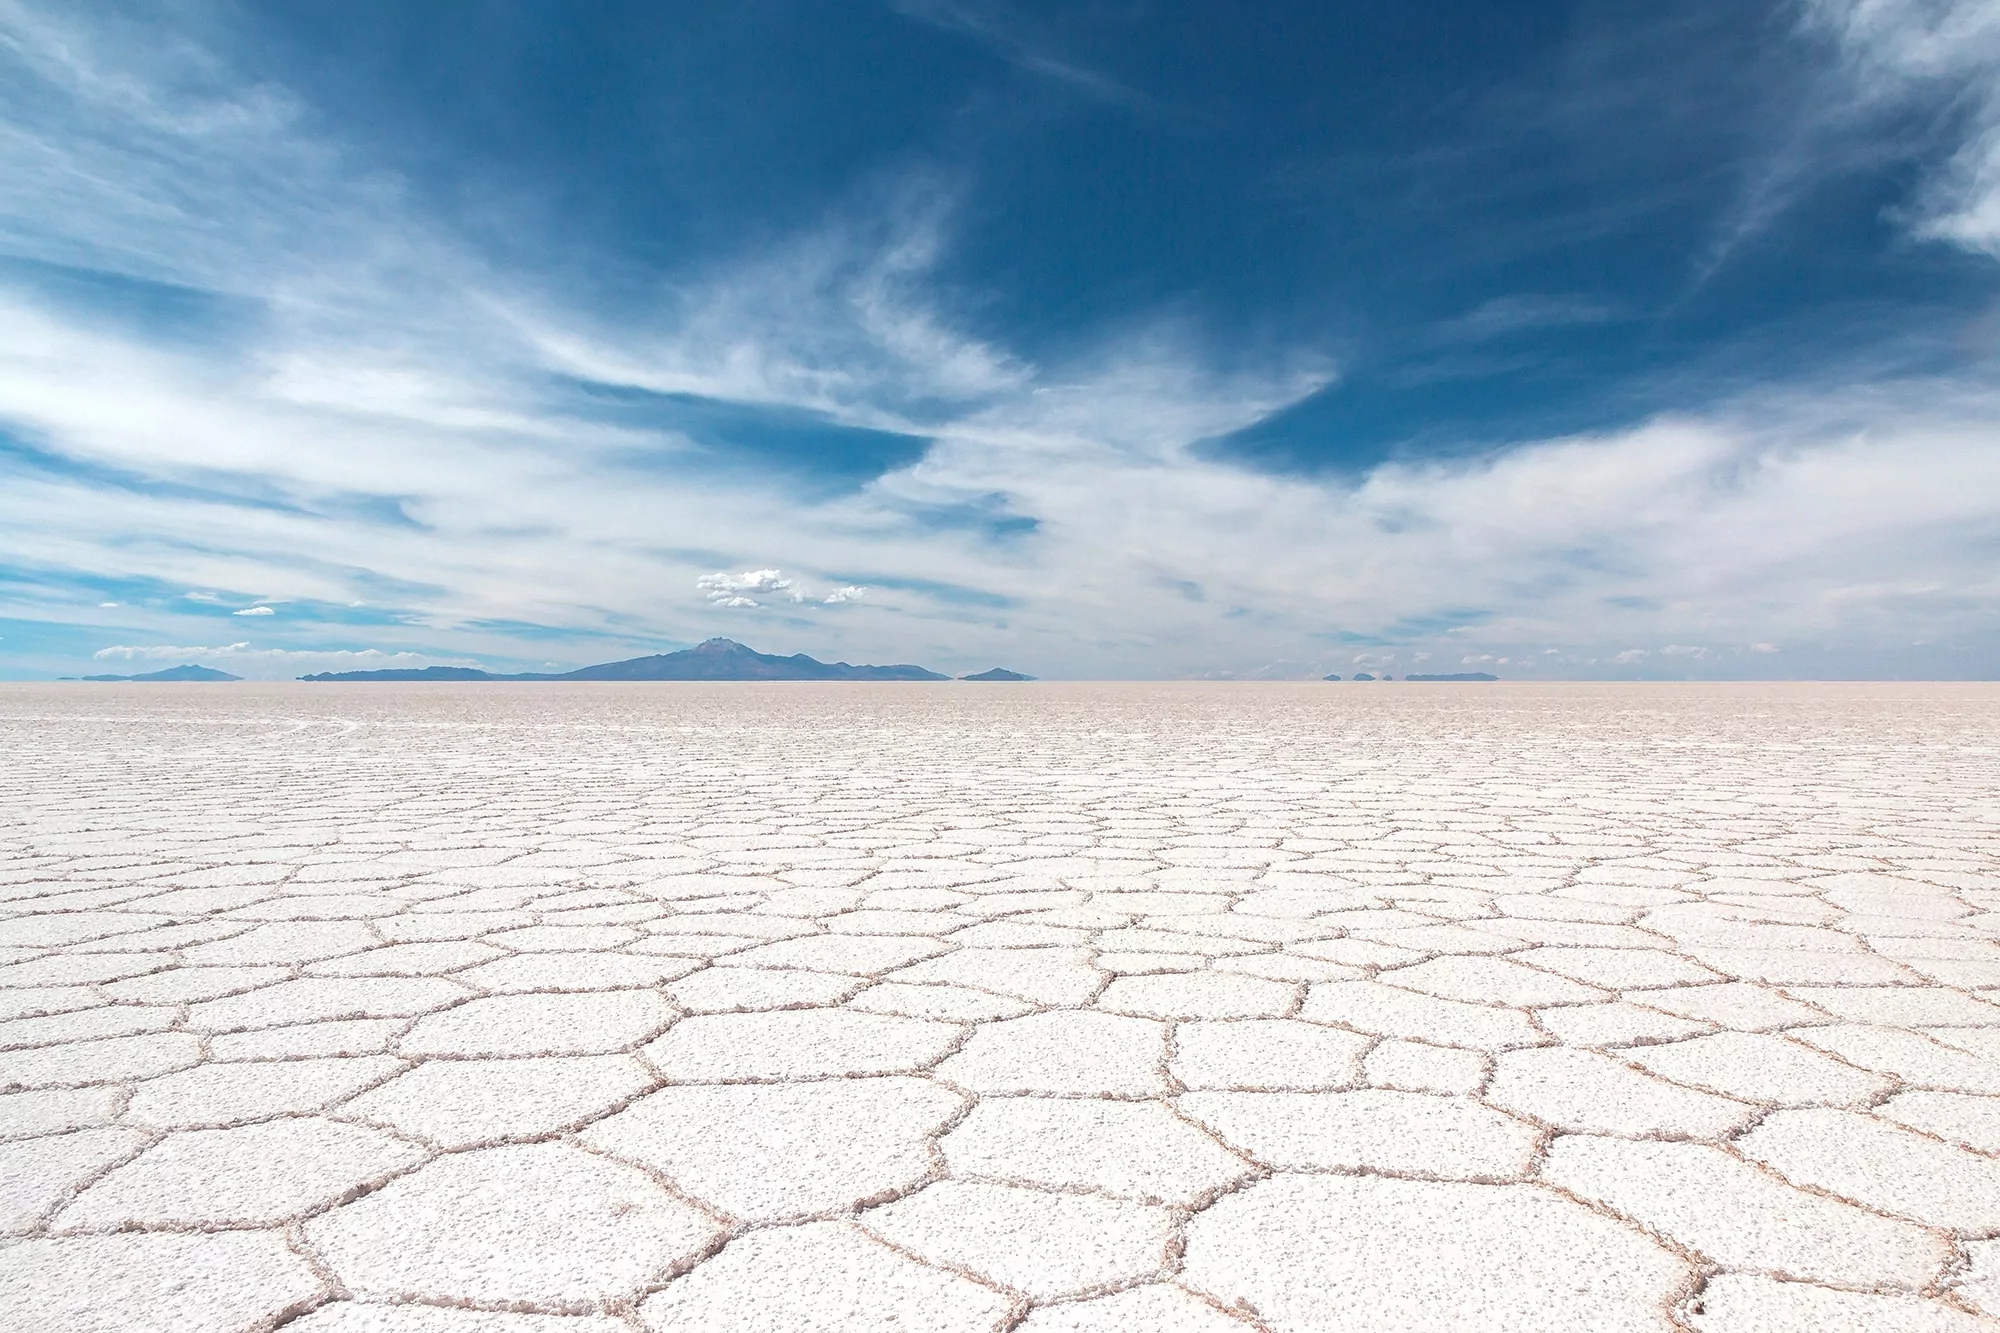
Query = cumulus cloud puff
x=725 y=589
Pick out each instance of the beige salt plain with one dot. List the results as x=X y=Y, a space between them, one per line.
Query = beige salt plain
x=579 y=1009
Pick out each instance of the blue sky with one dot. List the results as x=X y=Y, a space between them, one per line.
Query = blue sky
x=1129 y=339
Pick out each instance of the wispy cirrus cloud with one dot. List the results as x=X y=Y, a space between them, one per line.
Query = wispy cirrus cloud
x=1902 y=86
x=1008 y=35
x=1941 y=57
x=1504 y=315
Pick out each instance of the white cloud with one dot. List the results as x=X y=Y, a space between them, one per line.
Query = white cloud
x=725 y=589
x=254 y=611
x=1763 y=647
x=243 y=651
x=1631 y=655
x=837 y=320
x=131 y=652
x=1937 y=54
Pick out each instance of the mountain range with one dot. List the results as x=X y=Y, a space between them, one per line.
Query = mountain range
x=717 y=659
x=186 y=672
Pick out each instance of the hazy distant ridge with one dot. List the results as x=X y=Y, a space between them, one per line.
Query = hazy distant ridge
x=179 y=673
x=717 y=659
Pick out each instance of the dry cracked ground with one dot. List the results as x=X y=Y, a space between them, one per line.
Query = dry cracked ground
x=609 y=1009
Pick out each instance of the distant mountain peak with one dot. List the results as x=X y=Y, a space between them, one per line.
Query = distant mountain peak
x=185 y=672
x=997 y=673
x=726 y=659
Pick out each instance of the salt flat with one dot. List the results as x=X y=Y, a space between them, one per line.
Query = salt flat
x=571 y=1009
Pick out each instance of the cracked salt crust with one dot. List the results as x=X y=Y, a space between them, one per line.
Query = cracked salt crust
x=1155 y=1306
x=248 y=1176
x=370 y=1317
x=542 y=1223
x=1093 y=1008
x=1266 y=1055
x=1042 y=1244
x=1586 y=1092
x=1739 y=1217
x=1883 y=1166
x=216 y=1096
x=1401 y=1132
x=471 y=1103
x=827 y=1277
x=1062 y=1052
x=1740 y=1301
x=193 y=1283
x=1368 y=1254
x=841 y=1142
x=1135 y=1150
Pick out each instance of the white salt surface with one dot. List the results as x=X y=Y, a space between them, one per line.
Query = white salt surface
x=554 y=1009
